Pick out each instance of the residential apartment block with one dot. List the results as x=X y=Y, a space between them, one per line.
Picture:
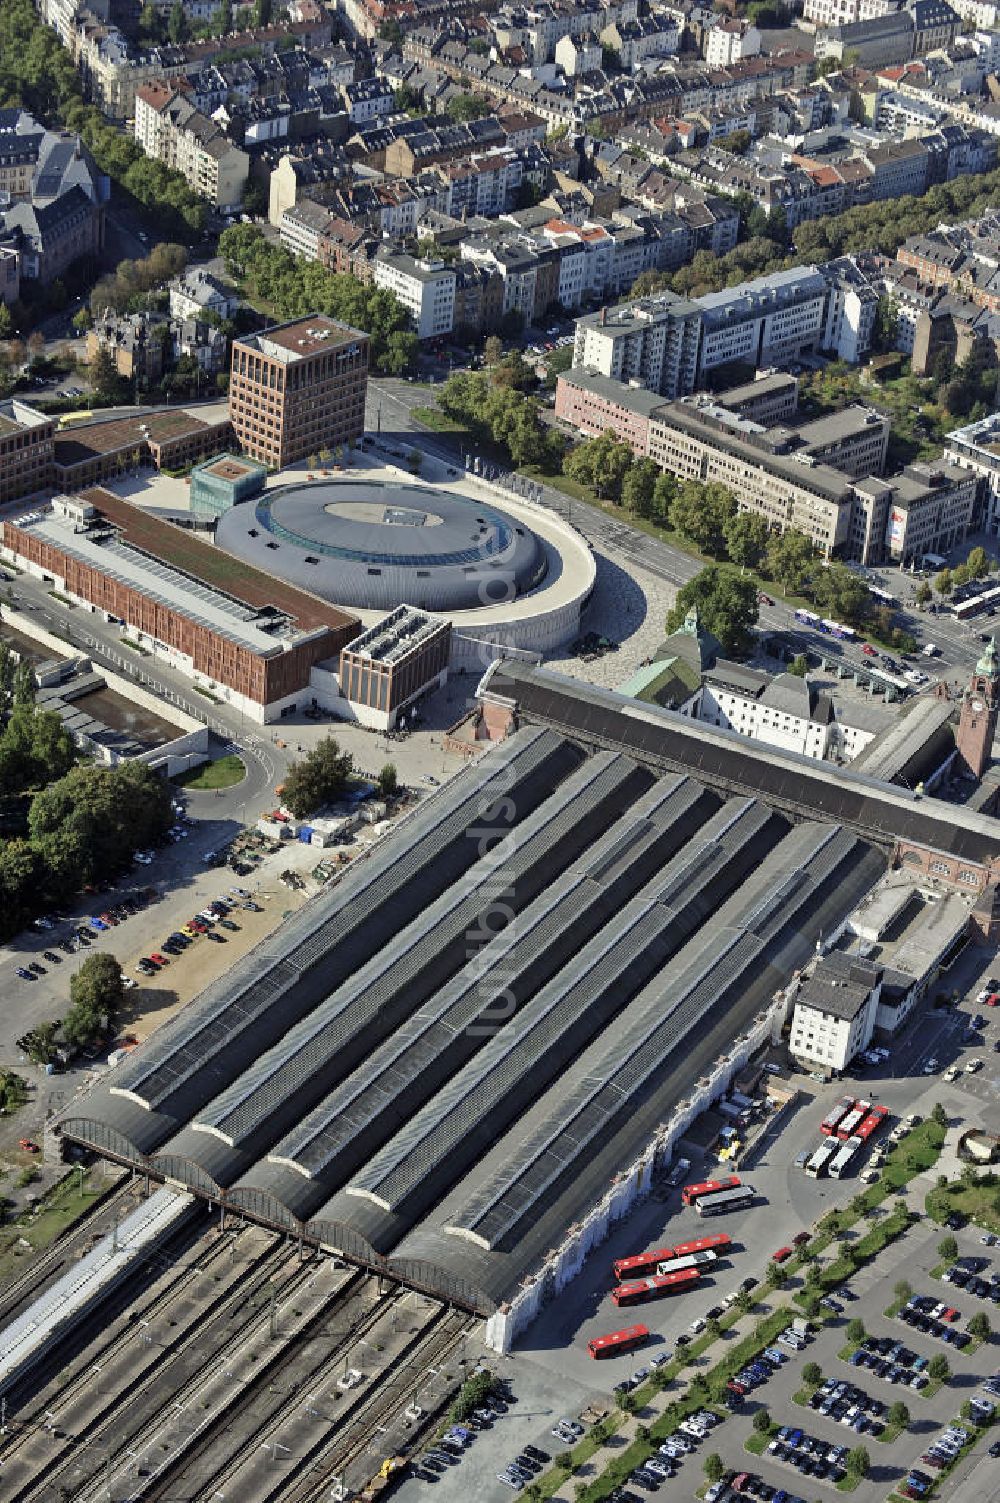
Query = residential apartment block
x=654 y=342
x=171 y=130
x=426 y=288
x=976 y=448
x=298 y=388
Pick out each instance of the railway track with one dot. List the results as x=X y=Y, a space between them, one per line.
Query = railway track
x=141 y=1363
x=46 y=1268
x=379 y=1428
x=138 y=1425
x=304 y=1381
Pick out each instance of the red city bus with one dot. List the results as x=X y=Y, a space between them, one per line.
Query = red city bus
x=872 y=1123
x=653 y=1288
x=618 y=1342
x=640 y=1264
x=717 y=1242
x=691 y=1193
x=836 y=1115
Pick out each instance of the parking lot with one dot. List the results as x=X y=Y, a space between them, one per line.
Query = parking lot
x=912 y=1257
x=551 y=1363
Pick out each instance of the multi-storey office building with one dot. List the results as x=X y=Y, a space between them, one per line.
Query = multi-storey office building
x=298 y=388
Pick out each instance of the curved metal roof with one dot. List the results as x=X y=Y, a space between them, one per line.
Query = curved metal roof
x=443 y=1104
x=376 y=544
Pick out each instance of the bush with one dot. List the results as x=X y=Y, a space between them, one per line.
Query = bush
x=856 y=1331
x=948 y=1248
x=472 y=1395
x=938 y=1368
x=762 y=1422
x=979 y=1326
x=812 y=1374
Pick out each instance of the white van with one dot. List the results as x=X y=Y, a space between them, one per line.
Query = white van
x=931 y=651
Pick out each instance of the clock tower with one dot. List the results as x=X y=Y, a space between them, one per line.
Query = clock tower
x=977 y=721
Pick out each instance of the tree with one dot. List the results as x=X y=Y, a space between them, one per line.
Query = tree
x=415 y=461
x=746 y=538
x=775 y=1276
x=638 y=488
x=36 y=345
x=938 y=1368
x=6 y=322
x=317 y=779
x=726 y=606
x=939 y=1115
x=23 y=688
x=601 y=462
x=923 y=593
x=700 y=513
x=838 y=591
x=812 y=1374
x=713 y=1467
x=387 y=780
x=88 y=824
x=979 y=1326
x=977 y=564
x=899 y=1415
x=35 y=749
x=465 y=107
x=789 y=559
x=799 y=665
x=177 y=23
x=97 y=995
x=224 y=18
x=969 y=1176
x=856 y=1331
x=493 y=350
x=858 y=1462
x=948 y=1249
x=944 y=582
x=104 y=377
x=82 y=320
x=761 y=1421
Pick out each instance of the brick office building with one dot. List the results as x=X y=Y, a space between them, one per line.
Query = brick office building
x=298 y=388
x=25 y=449
x=247 y=638
x=396 y=661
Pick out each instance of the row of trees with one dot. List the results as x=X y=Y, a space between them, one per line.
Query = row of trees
x=297 y=287
x=764 y=241
x=493 y=408
x=83 y=827
x=38 y=73
x=706 y=514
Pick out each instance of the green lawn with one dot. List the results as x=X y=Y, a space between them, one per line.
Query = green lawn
x=224 y=772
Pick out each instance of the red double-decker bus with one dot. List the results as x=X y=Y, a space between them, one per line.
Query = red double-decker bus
x=693 y=1193
x=652 y=1288
x=618 y=1342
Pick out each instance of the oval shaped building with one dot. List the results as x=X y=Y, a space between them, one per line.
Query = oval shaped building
x=373 y=544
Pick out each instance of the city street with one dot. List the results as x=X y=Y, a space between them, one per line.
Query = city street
x=390 y=408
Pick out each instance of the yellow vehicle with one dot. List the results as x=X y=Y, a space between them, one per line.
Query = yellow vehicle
x=69 y=419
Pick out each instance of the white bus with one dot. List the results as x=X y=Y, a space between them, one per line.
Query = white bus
x=844 y=1157
x=822 y=1158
